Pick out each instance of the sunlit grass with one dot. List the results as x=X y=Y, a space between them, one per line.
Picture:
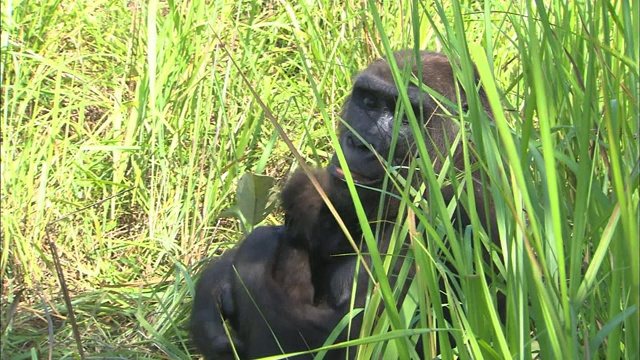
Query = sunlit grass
x=101 y=97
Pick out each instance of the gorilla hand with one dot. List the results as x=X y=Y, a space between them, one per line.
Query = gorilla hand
x=213 y=303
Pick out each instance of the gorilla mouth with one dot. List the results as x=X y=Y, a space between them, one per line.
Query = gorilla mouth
x=337 y=172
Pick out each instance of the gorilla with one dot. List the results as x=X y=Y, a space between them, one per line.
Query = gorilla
x=285 y=288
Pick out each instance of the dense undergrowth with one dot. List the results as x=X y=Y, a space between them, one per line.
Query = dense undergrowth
x=126 y=128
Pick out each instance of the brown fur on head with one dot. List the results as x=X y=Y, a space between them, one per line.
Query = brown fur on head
x=435 y=68
x=302 y=202
x=310 y=225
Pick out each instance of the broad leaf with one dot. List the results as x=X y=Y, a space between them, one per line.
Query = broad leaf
x=254 y=200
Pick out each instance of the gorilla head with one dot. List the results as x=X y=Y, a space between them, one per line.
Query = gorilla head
x=371 y=114
x=372 y=118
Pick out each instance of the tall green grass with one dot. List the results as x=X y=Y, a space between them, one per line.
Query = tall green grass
x=101 y=97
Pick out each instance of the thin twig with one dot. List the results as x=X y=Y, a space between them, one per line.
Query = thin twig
x=60 y=274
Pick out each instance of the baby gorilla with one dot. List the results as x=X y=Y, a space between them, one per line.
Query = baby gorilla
x=267 y=282
x=286 y=288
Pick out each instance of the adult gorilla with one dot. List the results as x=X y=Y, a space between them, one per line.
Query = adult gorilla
x=290 y=285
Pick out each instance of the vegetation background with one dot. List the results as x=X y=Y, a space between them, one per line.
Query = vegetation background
x=127 y=126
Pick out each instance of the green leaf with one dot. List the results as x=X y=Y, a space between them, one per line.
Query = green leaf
x=613 y=323
x=254 y=199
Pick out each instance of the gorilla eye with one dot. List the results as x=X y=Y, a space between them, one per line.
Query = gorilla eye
x=370 y=101
x=405 y=117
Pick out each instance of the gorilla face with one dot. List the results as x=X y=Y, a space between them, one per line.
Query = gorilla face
x=373 y=116
x=370 y=115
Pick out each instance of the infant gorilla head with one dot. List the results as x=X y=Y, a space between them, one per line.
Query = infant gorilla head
x=283 y=289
